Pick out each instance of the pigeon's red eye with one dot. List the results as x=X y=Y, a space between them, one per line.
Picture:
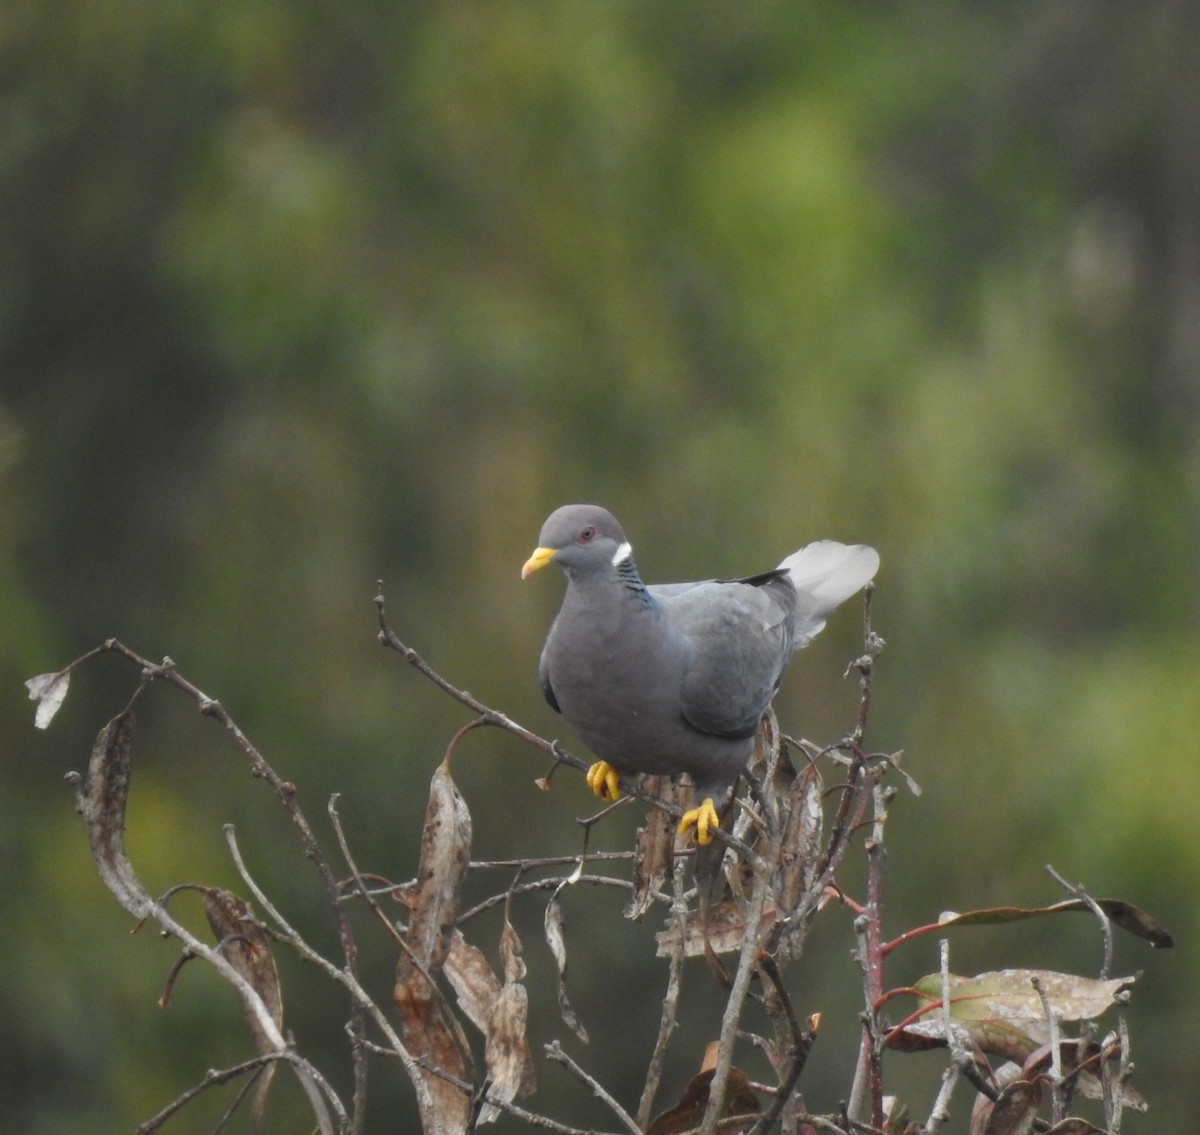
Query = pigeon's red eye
x=587 y=535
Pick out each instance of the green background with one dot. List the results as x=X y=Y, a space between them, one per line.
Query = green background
x=295 y=296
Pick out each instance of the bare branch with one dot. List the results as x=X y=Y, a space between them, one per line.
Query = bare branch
x=347 y=978
x=940 y=1112
x=542 y=885
x=666 y=1025
x=1105 y=925
x=212 y=1078
x=747 y=966
x=259 y=767
x=554 y=1050
x=791 y=834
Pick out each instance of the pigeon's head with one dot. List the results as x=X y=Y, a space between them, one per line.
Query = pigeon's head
x=582 y=539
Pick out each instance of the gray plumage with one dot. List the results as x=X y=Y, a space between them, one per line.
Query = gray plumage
x=675 y=678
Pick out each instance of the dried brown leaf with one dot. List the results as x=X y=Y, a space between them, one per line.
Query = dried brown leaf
x=49 y=691
x=428 y=1028
x=726 y=931
x=474 y=983
x=101 y=802
x=1136 y=921
x=687 y=1114
x=800 y=845
x=445 y=855
x=555 y=939
x=1013 y=1113
x=429 y=1036
x=499 y=1012
x=510 y=953
x=653 y=847
x=1082 y=1062
x=507 y=1055
x=1073 y=1125
x=509 y=1061
x=1123 y=914
x=248 y=949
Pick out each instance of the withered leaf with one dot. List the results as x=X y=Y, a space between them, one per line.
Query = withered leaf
x=429 y=1036
x=49 y=691
x=428 y=1029
x=653 y=847
x=800 y=845
x=1087 y=1079
x=558 y=947
x=101 y=802
x=507 y=1055
x=510 y=952
x=726 y=931
x=1074 y=1126
x=445 y=855
x=1123 y=914
x=509 y=1061
x=687 y=1114
x=1013 y=1113
x=471 y=977
x=499 y=1012
x=248 y=950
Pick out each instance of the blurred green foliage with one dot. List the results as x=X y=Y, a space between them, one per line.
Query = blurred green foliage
x=294 y=296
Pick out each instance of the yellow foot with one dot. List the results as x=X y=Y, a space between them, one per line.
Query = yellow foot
x=604 y=781
x=703 y=819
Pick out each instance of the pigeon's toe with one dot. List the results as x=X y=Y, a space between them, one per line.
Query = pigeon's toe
x=703 y=818
x=604 y=780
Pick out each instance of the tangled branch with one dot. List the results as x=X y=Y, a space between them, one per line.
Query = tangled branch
x=783 y=851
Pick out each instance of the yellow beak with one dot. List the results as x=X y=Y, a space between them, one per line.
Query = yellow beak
x=540 y=558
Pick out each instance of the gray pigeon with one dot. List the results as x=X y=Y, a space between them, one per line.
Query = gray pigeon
x=675 y=678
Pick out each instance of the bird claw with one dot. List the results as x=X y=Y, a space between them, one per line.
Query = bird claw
x=703 y=818
x=604 y=781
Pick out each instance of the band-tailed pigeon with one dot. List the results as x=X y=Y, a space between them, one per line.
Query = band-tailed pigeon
x=675 y=678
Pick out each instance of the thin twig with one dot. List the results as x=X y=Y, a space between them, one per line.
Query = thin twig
x=940 y=1112
x=824 y=1123
x=231 y=1110
x=868 y=1077
x=536 y=1120
x=865 y=664
x=212 y=1078
x=286 y=794
x=1058 y=1093
x=801 y=1045
x=666 y=1024
x=399 y=939
x=747 y=966
x=358 y=995
x=1082 y=895
x=359 y=883
x=546 y=885
x=545 y=861
x=554 y=1050
x=1114 y=1094
x=107 y=809
x=530 y=1117
x=851 y=805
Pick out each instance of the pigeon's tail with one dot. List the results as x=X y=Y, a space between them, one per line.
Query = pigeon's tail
x=825 y=575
